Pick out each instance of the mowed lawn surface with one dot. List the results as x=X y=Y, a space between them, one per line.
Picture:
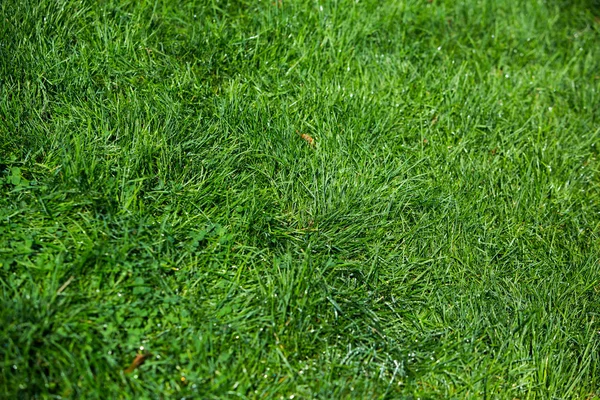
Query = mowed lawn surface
x=299 y=199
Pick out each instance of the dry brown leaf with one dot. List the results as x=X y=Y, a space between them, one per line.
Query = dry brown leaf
x=307 y=138
x=137 y=361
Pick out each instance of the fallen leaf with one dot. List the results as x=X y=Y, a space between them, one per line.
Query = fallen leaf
x=137 y=361
x=307 y=138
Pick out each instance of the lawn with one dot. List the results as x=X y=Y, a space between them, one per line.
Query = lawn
x=299 y=199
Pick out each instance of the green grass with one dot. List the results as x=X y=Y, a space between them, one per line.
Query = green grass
x=440 y=240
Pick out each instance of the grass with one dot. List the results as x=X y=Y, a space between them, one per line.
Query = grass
x=439 y=239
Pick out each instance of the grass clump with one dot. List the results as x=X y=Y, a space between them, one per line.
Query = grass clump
x=438 y=237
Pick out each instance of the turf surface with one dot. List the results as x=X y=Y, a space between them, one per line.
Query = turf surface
x=299 y=199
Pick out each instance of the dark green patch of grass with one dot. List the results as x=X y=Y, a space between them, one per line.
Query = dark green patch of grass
x=439 y=240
